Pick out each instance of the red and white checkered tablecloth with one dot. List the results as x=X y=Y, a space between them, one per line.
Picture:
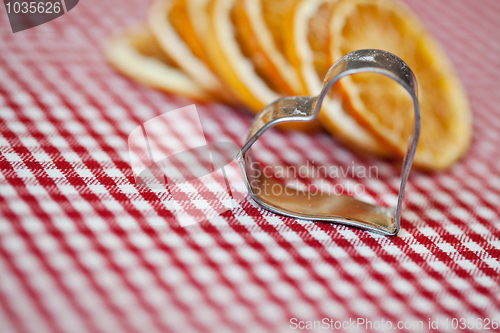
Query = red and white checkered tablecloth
x=84 y=249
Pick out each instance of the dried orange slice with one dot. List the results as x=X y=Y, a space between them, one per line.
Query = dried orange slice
x=222 y=42
x=261 y=37
x=169 y=23
x=260 y=25
x=306 y=47
x=135 y=53
x=379 y=104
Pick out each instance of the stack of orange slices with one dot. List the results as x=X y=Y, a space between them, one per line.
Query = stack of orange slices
x=252 y=52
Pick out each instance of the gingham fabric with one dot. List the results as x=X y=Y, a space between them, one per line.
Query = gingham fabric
x=84 y=249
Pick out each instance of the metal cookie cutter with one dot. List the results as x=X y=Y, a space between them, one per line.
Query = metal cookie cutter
x=330 y=207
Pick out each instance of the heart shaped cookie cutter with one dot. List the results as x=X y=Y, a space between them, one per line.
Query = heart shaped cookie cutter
x=329 y=207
